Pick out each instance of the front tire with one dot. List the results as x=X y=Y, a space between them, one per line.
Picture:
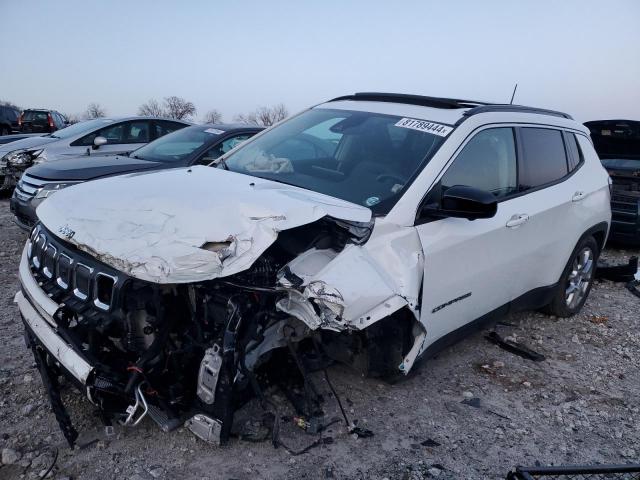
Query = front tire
x=576 y=280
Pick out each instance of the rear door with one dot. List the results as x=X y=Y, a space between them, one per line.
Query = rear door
x=550 y=203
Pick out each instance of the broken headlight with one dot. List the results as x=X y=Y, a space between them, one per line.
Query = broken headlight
x=19 y=158
x=51 y=188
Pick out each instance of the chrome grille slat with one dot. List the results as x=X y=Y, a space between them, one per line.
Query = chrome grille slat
x=32 y=181
x=82 y=281
x=26 y=188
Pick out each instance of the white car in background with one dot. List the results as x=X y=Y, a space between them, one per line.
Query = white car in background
x=374 y=228
x=103 y=135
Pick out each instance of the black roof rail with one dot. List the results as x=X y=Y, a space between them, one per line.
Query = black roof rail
x=511 y=108
x=435 y=102
x=475 y=107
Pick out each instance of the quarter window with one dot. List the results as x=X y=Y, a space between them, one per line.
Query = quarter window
x=544 y=157
x=575 y=153
x=487 y=162
x=162 y=128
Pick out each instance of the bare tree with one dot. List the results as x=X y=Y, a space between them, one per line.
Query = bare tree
x=179 y=108
x=72 y=118
x=264 y=116
x=151 y=109
x=6 y=103
x=94 y=110
x=213 y=116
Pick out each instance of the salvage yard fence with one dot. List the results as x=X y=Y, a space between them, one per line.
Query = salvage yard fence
x=575 y=472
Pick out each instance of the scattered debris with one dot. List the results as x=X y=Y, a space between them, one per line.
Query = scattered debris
x=598 y=319
x=10 y=456
x=514 y=347
x=430 y=443
x=618 y=273
x=472 y=402
x=594 y=472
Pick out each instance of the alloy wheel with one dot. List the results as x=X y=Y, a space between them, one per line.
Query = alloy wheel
x=579 y=277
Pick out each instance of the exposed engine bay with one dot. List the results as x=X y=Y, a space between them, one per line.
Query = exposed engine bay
x=195 y=352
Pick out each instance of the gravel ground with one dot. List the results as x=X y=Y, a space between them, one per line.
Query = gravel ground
x=475 y=411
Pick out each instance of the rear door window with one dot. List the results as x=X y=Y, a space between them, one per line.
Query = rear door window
x=544 y=157
x=137 y=132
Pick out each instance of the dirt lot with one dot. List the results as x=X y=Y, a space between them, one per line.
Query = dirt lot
x=578 y=406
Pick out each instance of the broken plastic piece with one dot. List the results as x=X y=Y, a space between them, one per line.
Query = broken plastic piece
x=430 y=443
x=619 y=273
x=208 y=374
x=206 y=428
x=514 y=347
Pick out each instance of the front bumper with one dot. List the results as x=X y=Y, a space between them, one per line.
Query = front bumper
x=24 y=211
x=625 y=221
x=38 y=313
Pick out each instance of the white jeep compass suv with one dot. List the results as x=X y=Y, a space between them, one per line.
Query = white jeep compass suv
x=371 y=229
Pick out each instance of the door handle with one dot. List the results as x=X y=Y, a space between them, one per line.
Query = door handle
x=517 y=220
x=579 y=195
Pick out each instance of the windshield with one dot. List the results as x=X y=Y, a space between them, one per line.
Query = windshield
x=362 y=157
x=34 y=116
x=80 y=128
x=178 y=145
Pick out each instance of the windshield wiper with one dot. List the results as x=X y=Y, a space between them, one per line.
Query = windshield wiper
x=223 y=163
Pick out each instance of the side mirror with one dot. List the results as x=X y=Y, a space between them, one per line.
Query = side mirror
x=98 y=141
x=463 y=202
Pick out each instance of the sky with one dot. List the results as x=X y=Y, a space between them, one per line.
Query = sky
x=578 y=56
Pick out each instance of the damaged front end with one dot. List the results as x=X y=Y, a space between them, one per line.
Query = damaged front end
x=194 y=352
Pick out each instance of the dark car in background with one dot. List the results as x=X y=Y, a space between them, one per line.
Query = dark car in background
x=618 y=145
x=195 y=145
x=41 y=121
x=9 y=119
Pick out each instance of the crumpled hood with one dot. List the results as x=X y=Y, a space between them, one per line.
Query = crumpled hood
x=28 y=143
x=153 y=226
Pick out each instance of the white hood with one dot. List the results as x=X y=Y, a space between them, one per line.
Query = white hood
x=153 y=226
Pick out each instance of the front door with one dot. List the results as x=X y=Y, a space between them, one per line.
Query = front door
x=469 y=264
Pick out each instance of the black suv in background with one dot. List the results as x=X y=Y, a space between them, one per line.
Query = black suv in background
x=41 y=121
x=9 y=119
x=618 y=145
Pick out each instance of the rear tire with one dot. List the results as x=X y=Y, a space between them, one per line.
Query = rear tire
x=576 y=280
x=3 y=131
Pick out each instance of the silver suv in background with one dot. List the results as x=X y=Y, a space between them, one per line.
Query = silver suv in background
x=106 y=135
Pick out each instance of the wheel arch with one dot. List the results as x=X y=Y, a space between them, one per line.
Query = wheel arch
x=598 y=232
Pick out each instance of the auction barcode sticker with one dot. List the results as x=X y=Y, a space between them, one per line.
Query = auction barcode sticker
x=424 y=126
